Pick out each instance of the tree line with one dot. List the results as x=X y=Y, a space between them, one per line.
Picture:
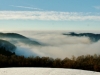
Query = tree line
x=84 y=62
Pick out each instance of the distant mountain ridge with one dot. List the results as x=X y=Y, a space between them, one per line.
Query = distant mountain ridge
x=17 y=37
x=93 y=37
x=7 y=45
x=8 y=42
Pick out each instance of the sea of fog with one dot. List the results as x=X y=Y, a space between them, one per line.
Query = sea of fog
x=56 y=45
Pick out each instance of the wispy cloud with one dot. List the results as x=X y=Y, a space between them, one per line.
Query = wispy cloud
x=97 y=7
x=26 y=7
x=48 y=15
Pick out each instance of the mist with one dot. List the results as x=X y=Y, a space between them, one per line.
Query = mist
x=56 y=45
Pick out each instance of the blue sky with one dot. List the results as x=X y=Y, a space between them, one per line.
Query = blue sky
x=49 y=15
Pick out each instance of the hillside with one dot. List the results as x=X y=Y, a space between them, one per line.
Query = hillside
x=93 y=37
x=7 y=45
x=15 y=38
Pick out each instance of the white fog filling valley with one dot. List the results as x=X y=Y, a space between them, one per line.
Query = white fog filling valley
x=57 y=45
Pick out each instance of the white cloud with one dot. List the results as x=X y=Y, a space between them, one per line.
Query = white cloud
x=48 y=15
x=97 y=7
x=58 y=45
x=26 y=7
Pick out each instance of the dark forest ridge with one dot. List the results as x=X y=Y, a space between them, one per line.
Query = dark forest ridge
x=93 y=37
x=17 y=37
x=7 y=45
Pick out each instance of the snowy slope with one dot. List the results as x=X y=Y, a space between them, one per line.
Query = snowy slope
x=44 y=71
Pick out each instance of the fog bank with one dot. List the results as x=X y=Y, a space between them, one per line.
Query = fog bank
x=58 y=45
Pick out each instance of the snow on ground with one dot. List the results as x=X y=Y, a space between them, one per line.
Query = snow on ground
x=44 y=71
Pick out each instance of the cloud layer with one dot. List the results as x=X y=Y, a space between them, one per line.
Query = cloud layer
x=58 y=45
x=48 y=15
x=97 y=7
x=26 y=7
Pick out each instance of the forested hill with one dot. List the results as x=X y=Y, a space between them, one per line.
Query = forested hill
x=14 y=37
x=93 y=37
x=6 y=48
x=7 y=45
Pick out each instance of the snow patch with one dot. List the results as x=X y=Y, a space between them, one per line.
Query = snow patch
x=44 y=71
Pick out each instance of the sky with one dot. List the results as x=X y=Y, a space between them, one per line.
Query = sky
x=49 y=15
